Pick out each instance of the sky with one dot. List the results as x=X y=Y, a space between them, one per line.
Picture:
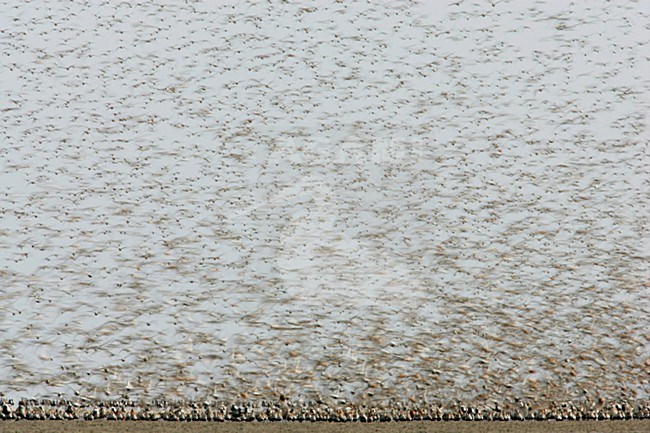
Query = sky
x=438 y=200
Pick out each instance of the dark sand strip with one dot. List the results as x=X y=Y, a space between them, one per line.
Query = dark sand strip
x=104 y=426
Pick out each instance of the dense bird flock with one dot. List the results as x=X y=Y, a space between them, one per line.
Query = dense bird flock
x=359 y=205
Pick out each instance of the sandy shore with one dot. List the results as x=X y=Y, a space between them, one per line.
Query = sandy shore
x=323 y=427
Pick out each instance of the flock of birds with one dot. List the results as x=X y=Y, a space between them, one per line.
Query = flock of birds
x=364 y=202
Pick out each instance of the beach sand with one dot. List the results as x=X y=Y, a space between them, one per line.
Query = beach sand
x=103 y=426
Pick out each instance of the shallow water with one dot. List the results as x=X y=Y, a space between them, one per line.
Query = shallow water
x=367 y=202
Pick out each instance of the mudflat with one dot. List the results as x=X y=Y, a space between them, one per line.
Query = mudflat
x=104 y=426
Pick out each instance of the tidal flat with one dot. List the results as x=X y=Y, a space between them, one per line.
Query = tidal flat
x=413 y=427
